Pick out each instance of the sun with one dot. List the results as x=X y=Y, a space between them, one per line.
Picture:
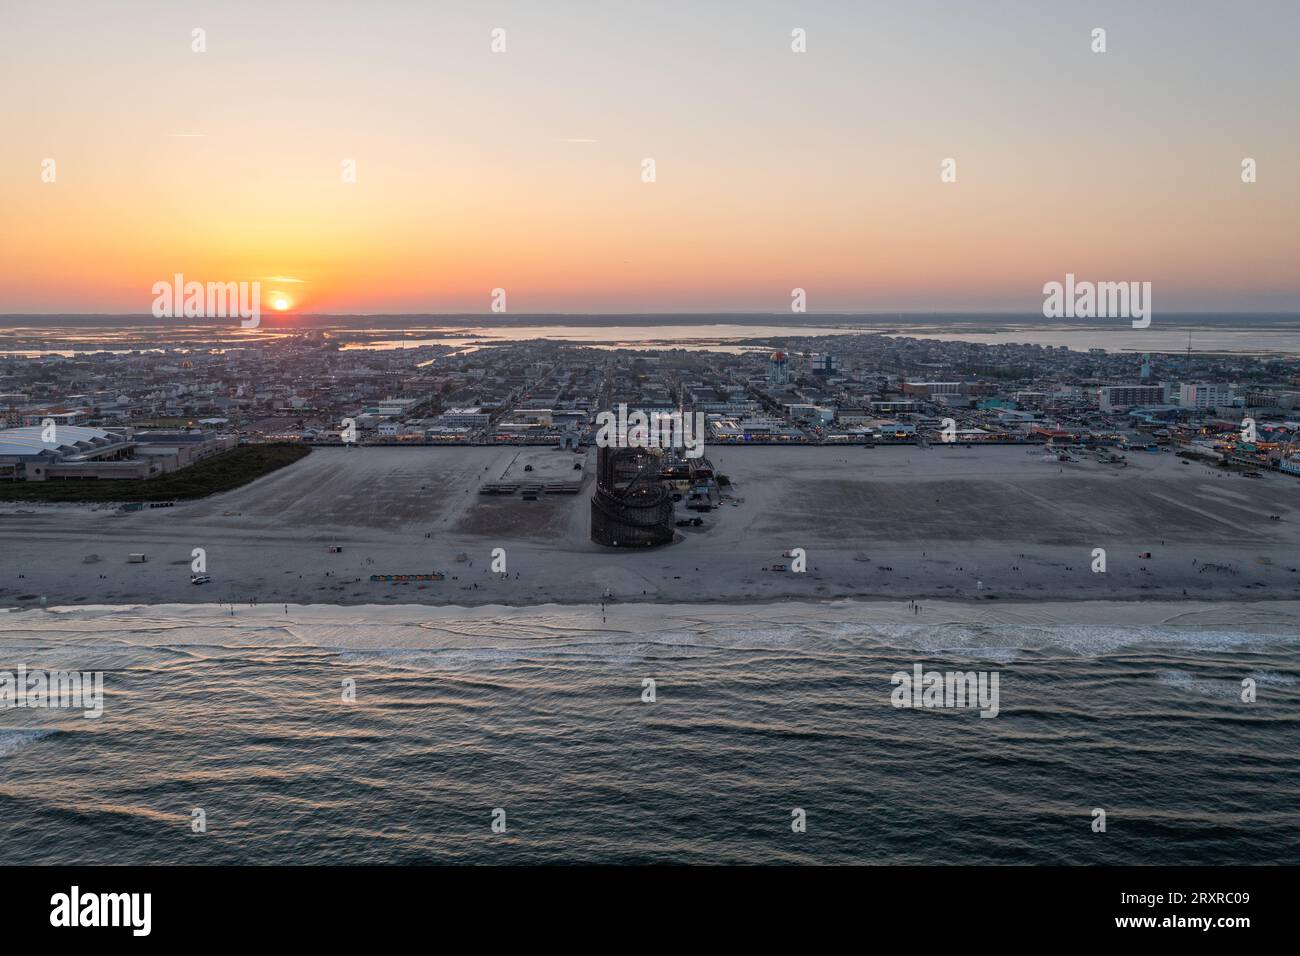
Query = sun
x=279 y=303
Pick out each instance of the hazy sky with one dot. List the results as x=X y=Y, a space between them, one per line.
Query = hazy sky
x=774 y=169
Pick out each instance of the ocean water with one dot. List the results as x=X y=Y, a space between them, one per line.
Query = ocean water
x=539 y=711
x=1242 y=334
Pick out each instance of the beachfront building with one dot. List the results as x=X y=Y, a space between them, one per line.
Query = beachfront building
x=815 y=414
x=1204 y=395
x=174 y=450
x=69 y=451
x=1118 y=398
x=535 y=416
x=893 y=407
x=74 y=453
x=1014 y=416
x=473 y=417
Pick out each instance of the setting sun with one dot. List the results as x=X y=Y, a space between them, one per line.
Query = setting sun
x=280 y=303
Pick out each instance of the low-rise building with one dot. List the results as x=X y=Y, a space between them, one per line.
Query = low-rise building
x=469 y=417
x=931 y=389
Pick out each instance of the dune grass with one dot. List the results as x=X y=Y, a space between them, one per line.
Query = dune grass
x=222 y=472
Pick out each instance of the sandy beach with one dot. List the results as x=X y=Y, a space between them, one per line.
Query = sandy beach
x=975 y=525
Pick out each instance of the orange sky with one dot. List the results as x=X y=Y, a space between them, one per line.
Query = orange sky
x=521 y=170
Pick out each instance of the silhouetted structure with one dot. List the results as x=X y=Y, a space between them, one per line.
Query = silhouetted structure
x=630 y=507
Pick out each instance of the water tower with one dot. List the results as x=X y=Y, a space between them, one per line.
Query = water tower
x=778 y=368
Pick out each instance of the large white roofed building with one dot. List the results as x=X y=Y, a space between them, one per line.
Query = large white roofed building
x=68 y=451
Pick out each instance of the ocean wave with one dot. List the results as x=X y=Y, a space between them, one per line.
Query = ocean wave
x=1207 y=687
x=14 y=740
x=1271 y=677
x=632 y=630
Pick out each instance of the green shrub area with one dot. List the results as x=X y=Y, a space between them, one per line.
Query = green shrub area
x=222 y=472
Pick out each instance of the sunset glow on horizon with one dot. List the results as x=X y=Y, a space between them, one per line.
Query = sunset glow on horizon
x=522 y=170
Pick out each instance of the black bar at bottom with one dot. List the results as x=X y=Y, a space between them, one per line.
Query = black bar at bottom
x=368 y=904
